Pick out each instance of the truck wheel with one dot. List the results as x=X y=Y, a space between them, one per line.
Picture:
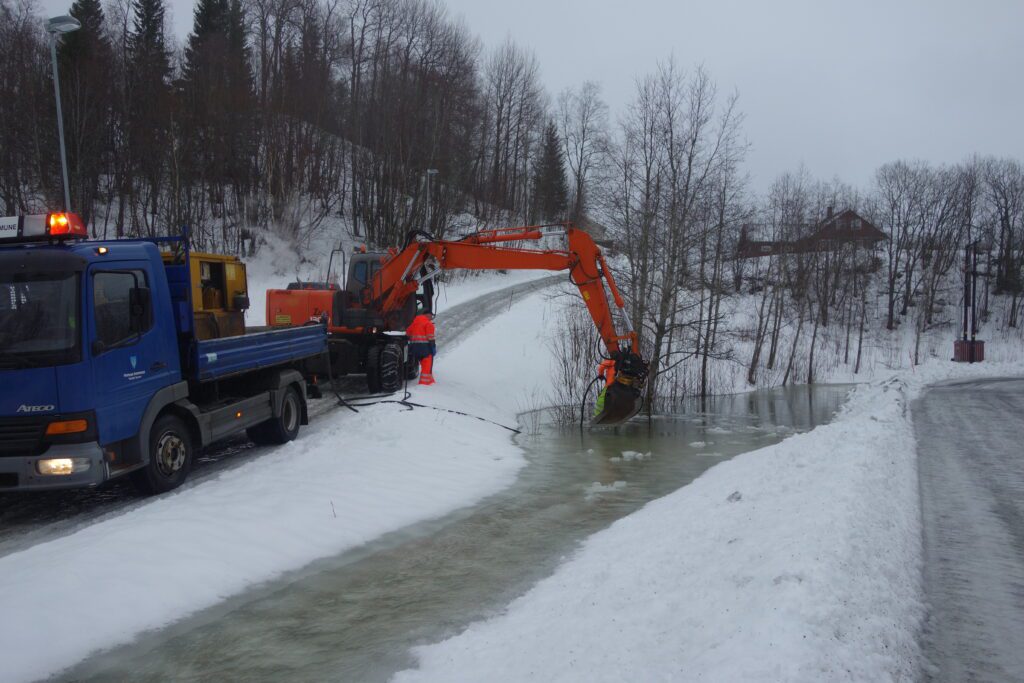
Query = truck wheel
x=170 y=456
x=284 y=427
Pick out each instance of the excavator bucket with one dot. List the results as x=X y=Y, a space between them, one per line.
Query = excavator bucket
x=621 y=402
x=624 y=397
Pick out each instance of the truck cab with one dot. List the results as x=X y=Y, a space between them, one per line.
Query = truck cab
x=95 y=347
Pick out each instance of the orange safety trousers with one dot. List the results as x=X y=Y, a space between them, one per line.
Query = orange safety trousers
x=426 y=370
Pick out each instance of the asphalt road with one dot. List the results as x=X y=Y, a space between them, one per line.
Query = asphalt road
x=971 y=452
x=30 y=518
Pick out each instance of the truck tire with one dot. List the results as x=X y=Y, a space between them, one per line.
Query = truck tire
x=170 y=456
x=284 y=427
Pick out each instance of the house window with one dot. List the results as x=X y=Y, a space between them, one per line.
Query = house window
x=766 y=248
x=855 y=224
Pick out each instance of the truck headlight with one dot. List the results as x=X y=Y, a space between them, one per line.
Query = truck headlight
x=62 y=466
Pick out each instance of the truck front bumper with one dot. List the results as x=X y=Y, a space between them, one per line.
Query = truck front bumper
x=22 y=473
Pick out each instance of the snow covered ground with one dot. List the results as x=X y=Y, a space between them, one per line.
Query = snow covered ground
x=348 y=479
x=800 y=561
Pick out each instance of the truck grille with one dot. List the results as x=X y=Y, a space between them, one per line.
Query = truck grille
x=21 y=435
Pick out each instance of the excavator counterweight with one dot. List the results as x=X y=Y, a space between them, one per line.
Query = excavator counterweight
x=379 y=299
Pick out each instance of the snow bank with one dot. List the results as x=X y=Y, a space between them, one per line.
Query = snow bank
x=800 y=561
x=347 y=480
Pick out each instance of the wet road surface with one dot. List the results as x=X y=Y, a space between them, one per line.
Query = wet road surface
x=971 y=453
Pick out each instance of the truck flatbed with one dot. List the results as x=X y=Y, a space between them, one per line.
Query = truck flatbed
x=257 y=349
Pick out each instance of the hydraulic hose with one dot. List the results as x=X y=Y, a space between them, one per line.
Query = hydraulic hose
x=583 y=400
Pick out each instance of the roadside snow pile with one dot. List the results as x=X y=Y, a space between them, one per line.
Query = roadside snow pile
x=800 y=561
x=347 y=480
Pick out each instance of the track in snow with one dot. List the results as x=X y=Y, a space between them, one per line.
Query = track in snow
x=971 y=453
x=30 y=518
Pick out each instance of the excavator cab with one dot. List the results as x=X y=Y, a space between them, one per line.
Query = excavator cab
x=623 y=398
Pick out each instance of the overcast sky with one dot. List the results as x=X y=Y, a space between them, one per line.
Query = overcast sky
x=841 y=86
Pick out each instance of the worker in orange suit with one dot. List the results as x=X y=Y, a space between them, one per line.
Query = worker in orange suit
x=422 y=346
x=605 y=369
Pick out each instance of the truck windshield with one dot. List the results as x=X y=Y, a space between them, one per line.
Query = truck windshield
x=38 y=319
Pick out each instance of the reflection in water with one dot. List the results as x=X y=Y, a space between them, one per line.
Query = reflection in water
x=355 y=617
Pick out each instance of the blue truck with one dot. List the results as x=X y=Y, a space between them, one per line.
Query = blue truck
x=120 y=358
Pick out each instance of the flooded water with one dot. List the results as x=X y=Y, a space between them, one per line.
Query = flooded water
x=354 y=617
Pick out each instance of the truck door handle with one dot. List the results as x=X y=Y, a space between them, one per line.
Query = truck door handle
x=159 y=365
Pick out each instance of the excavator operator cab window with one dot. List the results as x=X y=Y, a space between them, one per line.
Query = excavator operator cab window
x=362 y=270
x=359 y=274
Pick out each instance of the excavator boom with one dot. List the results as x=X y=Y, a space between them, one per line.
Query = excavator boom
x=398 y=279
x=385 y=287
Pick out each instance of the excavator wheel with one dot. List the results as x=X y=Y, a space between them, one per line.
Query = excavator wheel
x=384 y=368
x=412 y=369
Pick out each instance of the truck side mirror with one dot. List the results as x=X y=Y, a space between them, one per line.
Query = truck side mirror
x=140 y=309
x=241 y=302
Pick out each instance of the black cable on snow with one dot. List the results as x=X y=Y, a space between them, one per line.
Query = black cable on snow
x=404 y=401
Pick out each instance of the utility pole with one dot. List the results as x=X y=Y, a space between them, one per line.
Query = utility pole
x=971 y=350
x=56 y=26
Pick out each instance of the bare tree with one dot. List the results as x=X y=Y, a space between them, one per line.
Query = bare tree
x=583 y=124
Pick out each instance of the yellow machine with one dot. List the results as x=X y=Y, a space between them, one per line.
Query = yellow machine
x=220 y=294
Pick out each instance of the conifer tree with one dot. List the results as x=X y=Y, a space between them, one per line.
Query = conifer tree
x=550 y=188
x=148 y=102
x=217 y=96
x=85 y=61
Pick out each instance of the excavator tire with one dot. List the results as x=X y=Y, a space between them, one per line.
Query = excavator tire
x=373 y=369
x=384 y=368
x=412 y=369
x=391 y=360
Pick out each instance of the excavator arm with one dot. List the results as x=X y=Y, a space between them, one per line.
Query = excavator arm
x=402 y=274
x=422 y=258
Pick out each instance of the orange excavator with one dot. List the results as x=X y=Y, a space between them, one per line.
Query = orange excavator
x=366 y=320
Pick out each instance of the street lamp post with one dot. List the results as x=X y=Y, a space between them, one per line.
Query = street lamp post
x=55 y=26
